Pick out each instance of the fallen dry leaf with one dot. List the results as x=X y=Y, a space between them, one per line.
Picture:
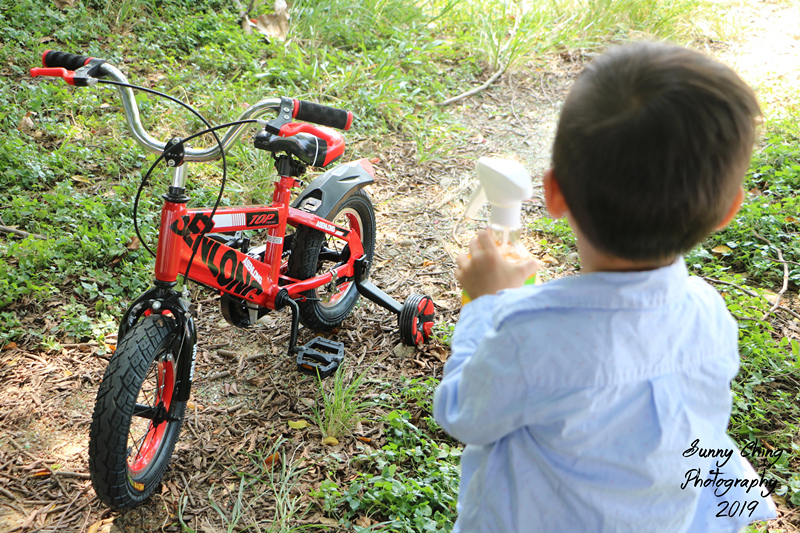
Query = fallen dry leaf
x=548 y=259
x=330 y=441
x=26 y=124
x=721 y=249
x=272 y=459
x=274 y=24
x=134 y=244
x=10 y=346
x=63 y=4
x=298 y=424
x=363 y=521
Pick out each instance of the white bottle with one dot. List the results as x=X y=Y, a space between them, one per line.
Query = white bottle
x=505 y=184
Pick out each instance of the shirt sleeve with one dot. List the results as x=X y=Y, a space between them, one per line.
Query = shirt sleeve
x=481 y=397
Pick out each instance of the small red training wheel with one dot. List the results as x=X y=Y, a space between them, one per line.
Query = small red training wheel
x=416 y=320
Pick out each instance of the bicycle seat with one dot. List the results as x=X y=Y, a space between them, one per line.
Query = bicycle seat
x=317 y=146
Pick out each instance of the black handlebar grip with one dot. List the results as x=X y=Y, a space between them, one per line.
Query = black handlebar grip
x=322 y=115
x=52 y=58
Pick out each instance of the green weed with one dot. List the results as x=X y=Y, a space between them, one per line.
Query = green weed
x=410 y=485
x=339 y=408
x=745 y=259
x=443 y=333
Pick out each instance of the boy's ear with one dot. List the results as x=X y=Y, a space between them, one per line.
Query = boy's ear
x=553 y=198
x=735 y=205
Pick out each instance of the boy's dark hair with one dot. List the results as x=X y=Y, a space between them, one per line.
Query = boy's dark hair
x=651 y=147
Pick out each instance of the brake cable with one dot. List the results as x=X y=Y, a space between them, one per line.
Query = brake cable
x=210 y=129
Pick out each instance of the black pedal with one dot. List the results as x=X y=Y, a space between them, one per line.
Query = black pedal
x=321 y=356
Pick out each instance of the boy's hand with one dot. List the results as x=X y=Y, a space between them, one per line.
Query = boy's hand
x=485 y=271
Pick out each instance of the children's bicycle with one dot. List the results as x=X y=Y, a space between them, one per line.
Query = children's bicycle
x=318 y=271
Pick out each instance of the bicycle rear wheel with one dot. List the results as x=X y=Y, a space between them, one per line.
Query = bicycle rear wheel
x=314 y=252
x=136 y=418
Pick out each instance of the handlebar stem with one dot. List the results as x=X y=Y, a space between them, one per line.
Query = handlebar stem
x=179 y=177
x=157 y=147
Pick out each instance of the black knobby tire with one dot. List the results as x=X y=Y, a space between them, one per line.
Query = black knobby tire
x=128 y=454
x=356 y=213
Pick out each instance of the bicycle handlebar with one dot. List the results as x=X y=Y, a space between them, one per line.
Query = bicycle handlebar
x=62 y=64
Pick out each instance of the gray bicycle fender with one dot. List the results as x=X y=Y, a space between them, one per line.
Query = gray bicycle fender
x=326 y=193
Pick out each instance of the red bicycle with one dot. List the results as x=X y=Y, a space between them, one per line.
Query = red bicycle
x=318 y=271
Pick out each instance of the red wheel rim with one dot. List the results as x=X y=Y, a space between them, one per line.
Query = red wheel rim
x=142 y=455
x=354 y=225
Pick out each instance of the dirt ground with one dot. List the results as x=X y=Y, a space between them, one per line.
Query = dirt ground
x=47 y=398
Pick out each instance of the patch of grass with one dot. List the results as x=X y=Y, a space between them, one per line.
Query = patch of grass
x=276 y=479
x=504 y=32
x=410 y=485
x=558 y=241
x=769 y=220
x=340 y=407
x=745 y=258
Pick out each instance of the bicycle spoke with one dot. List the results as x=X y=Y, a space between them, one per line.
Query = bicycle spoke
x=138 y=446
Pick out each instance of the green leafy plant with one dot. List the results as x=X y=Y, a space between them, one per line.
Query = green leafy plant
x=744 y=262
x=443 y=332
x=411 y=484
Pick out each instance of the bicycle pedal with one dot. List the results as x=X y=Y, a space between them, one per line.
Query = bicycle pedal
x=320 y=356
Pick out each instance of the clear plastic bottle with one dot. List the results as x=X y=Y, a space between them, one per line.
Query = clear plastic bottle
x=511 y=248
x=504 y=184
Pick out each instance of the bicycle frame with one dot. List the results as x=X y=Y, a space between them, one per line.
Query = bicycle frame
x=228 y=270
x=150 y=375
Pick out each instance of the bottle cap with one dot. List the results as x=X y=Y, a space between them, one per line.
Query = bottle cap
x=504 y=184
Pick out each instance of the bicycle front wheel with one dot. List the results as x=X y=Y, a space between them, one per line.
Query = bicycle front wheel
x=315 y=252
x=136 y=418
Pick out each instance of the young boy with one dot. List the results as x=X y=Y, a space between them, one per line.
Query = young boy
x=600 y=402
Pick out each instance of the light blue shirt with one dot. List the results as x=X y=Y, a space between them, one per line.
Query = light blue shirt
x=580 y=402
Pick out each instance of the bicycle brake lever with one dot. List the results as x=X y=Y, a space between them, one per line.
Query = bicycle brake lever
x=72 y=77
x=83 y=77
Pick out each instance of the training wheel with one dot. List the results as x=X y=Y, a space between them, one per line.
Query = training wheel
x=416 y=320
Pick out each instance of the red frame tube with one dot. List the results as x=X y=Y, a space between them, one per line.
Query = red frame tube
x=220 y=267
